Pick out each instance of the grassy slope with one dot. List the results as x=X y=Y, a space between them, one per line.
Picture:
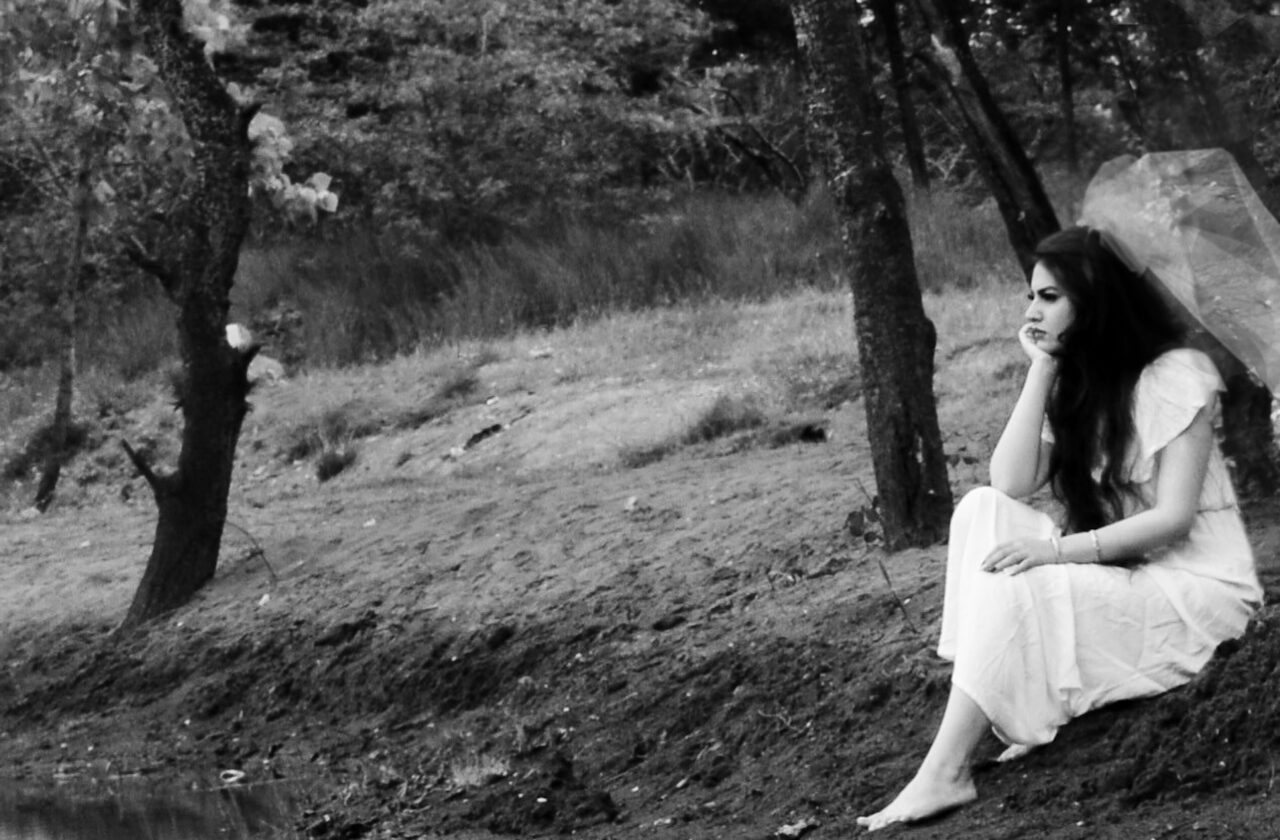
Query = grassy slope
x=448 y=634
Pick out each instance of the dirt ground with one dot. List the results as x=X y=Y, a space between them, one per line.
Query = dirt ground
x=521 y=636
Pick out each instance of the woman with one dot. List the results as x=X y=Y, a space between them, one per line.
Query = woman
x=1151 y=568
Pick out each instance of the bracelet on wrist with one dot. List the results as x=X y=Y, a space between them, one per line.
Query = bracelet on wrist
x=1097 y=549
x=1057 y=548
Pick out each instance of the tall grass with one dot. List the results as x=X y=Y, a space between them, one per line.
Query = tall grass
x=361 y=299
x=122 y=349
x=368 y=297
x=132 y=339
x=957 y=244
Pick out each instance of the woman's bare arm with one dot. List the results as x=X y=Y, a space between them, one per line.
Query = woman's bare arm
x=1020 y=461
x=1182 y=466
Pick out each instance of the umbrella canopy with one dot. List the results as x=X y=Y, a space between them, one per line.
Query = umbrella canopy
x=1192 y=220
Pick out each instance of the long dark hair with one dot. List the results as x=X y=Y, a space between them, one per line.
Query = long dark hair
x=1121 y=324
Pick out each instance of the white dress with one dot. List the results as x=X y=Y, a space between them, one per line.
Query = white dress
x=1039 y=648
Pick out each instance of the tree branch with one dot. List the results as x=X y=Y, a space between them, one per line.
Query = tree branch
x=138 y=254
x=143 y=468
x=58 y=177
x=769 y=145
x=761 y=159
x=256 y=551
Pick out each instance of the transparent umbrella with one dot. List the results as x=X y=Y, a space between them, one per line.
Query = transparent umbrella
x=1192 y=220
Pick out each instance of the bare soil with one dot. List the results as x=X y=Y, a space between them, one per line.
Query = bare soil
x=523 y=637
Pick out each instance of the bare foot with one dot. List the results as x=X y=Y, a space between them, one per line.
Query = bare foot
x=1013 y=752
x=920 y=799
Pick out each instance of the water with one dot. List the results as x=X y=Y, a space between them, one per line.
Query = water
x=133 y=810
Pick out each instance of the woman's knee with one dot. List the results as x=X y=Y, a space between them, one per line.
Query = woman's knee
x=979 y=498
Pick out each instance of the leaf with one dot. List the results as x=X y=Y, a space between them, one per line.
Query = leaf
x=264 y=125
x=104 y=192
x=320 y=181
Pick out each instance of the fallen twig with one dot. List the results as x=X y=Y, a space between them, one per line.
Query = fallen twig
x=782 y=720
x=901 y=604
x=256 y=551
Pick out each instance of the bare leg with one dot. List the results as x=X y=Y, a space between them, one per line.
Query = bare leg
x=944 y=780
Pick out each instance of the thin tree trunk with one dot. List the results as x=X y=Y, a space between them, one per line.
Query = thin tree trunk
x=1025 y=207
x=1129 y=102
x=68 y=304
x=1067 y=101
x=198 y=276
x=887 y=14
x=895 y=339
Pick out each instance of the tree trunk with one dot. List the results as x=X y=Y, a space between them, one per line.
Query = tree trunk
x=1128 y=101
x=68 y=301
x=1028 y=215
x=895 y=339
x=887 y=14
x=1067 y=100
x=197 y=276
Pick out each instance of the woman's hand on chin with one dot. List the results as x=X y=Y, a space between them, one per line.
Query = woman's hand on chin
x=1030 y=336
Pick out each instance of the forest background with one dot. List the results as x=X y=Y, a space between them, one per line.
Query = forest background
x=519 y=164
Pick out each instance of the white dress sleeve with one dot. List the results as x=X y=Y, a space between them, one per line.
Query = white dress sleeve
x=1170 y=392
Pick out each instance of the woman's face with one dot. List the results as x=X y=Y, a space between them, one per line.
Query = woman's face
x=1051 y=312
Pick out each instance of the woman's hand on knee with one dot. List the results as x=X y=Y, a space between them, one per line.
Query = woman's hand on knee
x=1020 y=555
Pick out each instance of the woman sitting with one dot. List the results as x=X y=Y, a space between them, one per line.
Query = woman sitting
x=1151 y=568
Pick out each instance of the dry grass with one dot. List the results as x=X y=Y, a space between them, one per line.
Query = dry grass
x=779 y=359
x=958 y=245
x=23 y=394
x=726 y=416
x=325 y=412
x=978 y=362
x=771 y=369
x=477 y=770
x=770 y=346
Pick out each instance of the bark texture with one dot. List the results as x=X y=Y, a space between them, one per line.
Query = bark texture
x=887 y=14
x=1067 y=99
x=197 y=271
x=1025 y=207
x=895 y=339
